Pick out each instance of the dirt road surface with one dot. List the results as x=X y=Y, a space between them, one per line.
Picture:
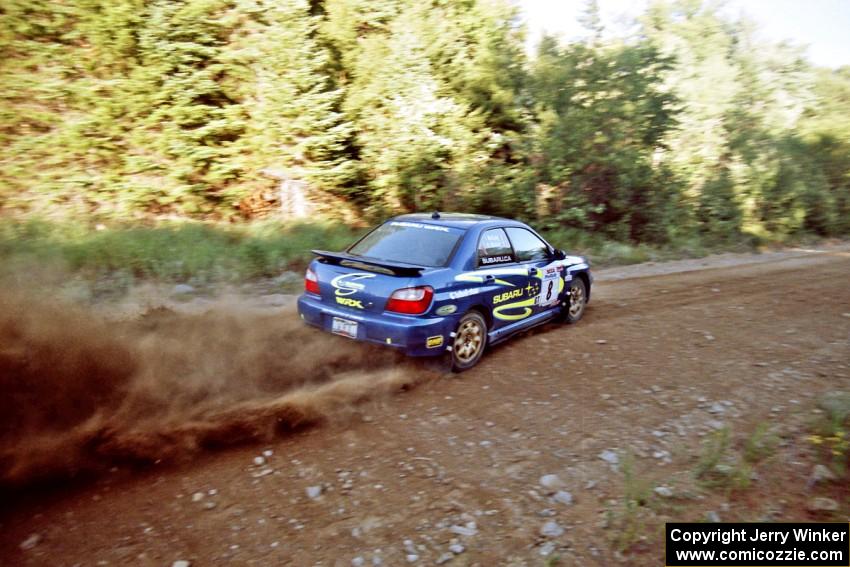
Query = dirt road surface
x=570 y=445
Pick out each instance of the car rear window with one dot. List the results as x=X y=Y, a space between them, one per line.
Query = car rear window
x=414 y=243
x=494 y=248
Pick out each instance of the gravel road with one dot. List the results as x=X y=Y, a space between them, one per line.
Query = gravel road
x=569 y=445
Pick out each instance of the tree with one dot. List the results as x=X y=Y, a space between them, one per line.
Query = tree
x=691 y=127
x=412 y=134
x=292 y=110
x=603 y=116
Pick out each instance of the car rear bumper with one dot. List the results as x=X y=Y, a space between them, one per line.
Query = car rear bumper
x=415 y=336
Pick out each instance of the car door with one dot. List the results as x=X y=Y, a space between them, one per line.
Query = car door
x=535 y=257
x=507 y=283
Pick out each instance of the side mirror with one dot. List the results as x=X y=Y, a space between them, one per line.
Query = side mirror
x=559 y=254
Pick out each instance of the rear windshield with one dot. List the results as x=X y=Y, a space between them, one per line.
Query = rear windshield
x=410 y=243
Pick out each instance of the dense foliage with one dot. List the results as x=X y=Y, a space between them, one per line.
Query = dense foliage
x=125 y=109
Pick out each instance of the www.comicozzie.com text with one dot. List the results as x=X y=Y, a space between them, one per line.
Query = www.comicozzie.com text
x=756 y=534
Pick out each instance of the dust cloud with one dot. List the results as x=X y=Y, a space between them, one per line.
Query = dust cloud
x=80 y=393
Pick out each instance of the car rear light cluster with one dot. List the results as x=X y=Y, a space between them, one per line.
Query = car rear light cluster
x=311 y=282
x=411 y=300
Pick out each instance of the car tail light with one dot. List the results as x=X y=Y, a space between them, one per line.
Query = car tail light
x=411 y=300
x=311 y=282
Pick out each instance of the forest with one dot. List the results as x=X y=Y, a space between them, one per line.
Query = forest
x=134 y=111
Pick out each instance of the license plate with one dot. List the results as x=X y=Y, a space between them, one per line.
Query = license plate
x=344 y=327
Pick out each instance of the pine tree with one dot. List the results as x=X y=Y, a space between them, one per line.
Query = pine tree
x=187 y=118
x=412 y=134
x=293 y=112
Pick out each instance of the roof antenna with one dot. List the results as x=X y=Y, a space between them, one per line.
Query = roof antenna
x=435 y=215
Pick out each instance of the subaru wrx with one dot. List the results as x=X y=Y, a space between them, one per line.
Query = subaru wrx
x=444 y=283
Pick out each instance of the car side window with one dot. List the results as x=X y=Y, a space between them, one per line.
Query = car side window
x=494 y=248
x=527 y=246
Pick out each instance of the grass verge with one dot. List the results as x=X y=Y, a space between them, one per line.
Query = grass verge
x=206 y=253
x=170 y=252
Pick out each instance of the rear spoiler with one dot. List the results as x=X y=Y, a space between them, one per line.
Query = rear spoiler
x=370 y=264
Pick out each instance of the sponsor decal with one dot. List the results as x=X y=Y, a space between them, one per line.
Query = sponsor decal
x=479 y=275
x=464 y=293
x=446 y=310
x=496 y=259
x=434 y=342
x=480 y=279
x=508 y=295
x=506 y=271
x=348 y=302
x=348 y=284
x=551 y=285
x=532 y=289
x=500 y=311
x=419 y=225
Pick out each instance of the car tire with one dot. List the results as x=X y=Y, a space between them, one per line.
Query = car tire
x=470 y=340
x=576 y=301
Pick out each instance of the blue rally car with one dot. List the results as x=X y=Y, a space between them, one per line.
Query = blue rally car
x=429 y=284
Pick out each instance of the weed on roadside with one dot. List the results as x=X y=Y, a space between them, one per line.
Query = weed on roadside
x=831 y=434
x=718 y=468
x=761 y=444
x=627 y=518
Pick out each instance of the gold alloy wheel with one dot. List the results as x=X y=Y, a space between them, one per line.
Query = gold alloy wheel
x=577 y=300
x=469 y=341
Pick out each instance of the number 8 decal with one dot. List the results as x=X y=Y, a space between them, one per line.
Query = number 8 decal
x=547 y=295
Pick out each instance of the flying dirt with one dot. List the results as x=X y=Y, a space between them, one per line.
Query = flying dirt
x=82 y=393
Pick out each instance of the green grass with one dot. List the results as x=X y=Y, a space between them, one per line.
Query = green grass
x=206 y=253
x=713 y=451
x=760 y=445
x=170 y=252
x=721 y=467
x=831 y=433
x=605 y=252
x=627 y=519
